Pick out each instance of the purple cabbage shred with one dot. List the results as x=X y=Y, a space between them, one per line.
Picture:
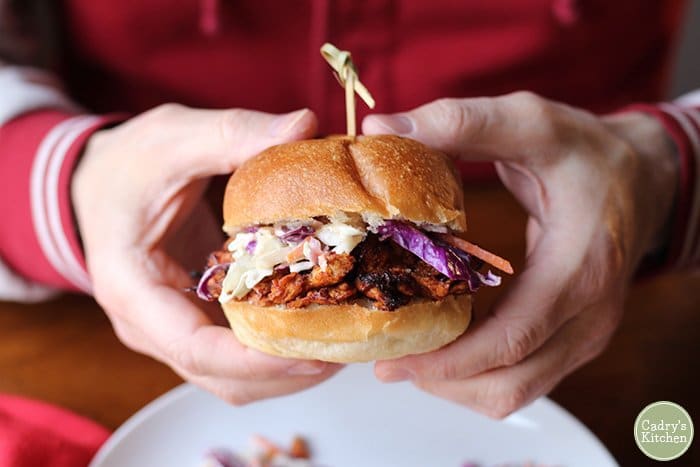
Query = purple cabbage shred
x=250 y=247
x=296 y=234
x=448 y=260
x=203 y=287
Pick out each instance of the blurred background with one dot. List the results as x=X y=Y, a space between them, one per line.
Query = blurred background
x=687 y=73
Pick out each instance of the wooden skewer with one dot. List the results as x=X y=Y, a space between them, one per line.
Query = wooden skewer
x=346 y=73
x=350 y=104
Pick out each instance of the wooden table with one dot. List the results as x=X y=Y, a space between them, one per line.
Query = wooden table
x=65 y=352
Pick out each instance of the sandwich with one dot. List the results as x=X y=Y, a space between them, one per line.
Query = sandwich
x=346 y=250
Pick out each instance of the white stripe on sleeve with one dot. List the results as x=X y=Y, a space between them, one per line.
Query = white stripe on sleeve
x=44 y=199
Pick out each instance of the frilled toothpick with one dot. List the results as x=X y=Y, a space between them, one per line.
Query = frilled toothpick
x=346 y=73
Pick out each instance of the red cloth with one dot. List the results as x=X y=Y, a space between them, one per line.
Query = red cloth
x=36 y=434
x=264 y=54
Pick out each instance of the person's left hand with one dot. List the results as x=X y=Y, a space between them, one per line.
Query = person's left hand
x=598 y=192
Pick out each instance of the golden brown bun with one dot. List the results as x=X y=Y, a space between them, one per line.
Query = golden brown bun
x=375 y=176
x=350 y=333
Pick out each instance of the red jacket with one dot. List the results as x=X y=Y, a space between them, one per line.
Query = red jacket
x=131 y=55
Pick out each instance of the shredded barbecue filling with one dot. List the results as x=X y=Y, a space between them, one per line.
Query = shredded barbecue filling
x=380 y=271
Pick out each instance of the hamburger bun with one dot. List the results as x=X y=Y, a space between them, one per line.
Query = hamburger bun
x=376 y=177
x=352 y=332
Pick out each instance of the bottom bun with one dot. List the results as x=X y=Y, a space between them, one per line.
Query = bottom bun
x=350 y=333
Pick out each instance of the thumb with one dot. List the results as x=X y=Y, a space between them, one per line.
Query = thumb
x=514 y=127
x=213 y=142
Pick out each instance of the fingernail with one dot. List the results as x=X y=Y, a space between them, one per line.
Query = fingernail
x=284 y=124
x=307 y=368
x=394 y=375
x=397 y=124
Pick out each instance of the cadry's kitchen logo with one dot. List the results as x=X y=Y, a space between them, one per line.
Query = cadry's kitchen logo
x=663 y=431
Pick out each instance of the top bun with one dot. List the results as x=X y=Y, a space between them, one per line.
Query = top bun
x=377 y=177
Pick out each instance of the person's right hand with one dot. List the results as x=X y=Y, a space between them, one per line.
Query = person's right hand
x=138 y=191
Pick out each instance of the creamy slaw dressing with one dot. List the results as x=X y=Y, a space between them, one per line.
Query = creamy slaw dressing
x=251 y=267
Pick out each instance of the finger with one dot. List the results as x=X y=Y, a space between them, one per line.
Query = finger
x=189 y=342
x=526 y=316
x=513 y=127
x=240 y=392
x=189 y=358
x=500 y=392
x=215 y=351
x=211 y=142
x=174 y=330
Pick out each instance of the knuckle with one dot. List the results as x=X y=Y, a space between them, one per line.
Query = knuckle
x=229 y=121
x=527 y=99
x=599 y=323
x=517 y=343
x=455 y=118
x=597 y=349
x=532 y=106
x=166 y=110
x=445 y=369
x=236 y=399
x=237 y=396
x=625 y=157
x=184 y=358
x=125 y=336
x=615 y=246
x=591 y=350
x=507 y=400
x=446 y=105
x=603 y=331
x=116 y=307
x=610 y=322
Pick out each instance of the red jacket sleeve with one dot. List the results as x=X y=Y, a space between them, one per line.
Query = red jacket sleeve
x=38 y=239
x=682 y=122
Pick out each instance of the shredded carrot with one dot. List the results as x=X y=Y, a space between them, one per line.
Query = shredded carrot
x=270 y=447
x=486 y=256
x=297 y=252
x=299 y=448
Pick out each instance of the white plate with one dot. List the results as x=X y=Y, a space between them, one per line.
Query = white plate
x=352 y=420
